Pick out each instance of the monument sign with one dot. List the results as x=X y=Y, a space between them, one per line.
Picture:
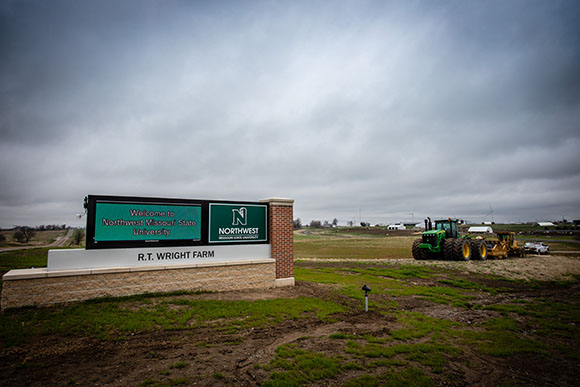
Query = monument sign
x=139 y=245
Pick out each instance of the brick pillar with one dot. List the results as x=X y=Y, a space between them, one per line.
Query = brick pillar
x=281 y=232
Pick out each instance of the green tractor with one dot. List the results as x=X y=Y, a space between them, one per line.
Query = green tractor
x=443 y=242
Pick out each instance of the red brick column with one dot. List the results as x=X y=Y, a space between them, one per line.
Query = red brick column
x=281 y=232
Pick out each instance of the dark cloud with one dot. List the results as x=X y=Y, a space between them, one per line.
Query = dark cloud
x=391 y=110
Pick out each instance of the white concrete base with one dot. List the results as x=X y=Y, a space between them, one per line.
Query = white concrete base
x=75 y=259
x=281 y=282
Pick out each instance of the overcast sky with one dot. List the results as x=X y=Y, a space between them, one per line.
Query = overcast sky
x=390 y=110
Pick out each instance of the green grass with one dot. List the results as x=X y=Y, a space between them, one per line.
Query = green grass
x=401 y=272
x=548 y=319
x=111 y=319
x=465 y=284
x=179 y=365
x=417 y=325
x=301 y=366
x=499 y=337
x=218 y=376
x=353 y=248
x=385 y=281
x=432 y=342
x=296 y=366
x=401 y=347
x=502 y=338
x=23 y=259
x=563 y=246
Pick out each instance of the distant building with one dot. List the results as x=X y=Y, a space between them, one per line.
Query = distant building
x=480 y=229
x=545 y=224
x=397 y=226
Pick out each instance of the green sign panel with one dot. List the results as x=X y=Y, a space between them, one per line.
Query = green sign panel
x=238 y=223
x=143 y=221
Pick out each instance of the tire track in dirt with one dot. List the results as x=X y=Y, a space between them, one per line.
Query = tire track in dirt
x=268 y=350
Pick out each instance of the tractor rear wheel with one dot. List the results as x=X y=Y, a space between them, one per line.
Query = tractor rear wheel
x=461 y=250
x=418 y=253
x=478 y=249
x=447 y=249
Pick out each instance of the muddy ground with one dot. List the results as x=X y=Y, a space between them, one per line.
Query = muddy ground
x=209 y=357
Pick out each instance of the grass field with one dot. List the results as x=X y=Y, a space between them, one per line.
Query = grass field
x=426 y=326
x=40 y=238
x=353 y=248
x=380 y=244
x=23 y=259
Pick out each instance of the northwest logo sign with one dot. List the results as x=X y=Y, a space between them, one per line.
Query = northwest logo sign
x=237 y=223
x=240 y=218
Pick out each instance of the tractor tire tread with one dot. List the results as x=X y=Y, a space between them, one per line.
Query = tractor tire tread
x=458 y=249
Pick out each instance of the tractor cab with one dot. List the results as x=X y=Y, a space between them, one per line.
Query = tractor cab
x=447 y=225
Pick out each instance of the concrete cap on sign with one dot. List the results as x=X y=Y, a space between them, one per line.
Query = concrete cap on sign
x=18 y=274
x=278 y=201
x=265 y=260
x=105 y=270
x=68 y=273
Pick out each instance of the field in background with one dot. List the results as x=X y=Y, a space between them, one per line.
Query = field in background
x=379 y=243
x=331 y=246
x=40 y=238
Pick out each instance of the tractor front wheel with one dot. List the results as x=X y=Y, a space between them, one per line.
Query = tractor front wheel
x=418 y=253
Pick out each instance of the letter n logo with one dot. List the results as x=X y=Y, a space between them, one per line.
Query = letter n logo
x=240 y=217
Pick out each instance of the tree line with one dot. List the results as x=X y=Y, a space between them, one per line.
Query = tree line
x=42 y=227
x=316 y=223
x=324 y=224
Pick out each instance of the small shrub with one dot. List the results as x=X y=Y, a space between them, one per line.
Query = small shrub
x=218 y=376
x=78 y=236
x=179 y=365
